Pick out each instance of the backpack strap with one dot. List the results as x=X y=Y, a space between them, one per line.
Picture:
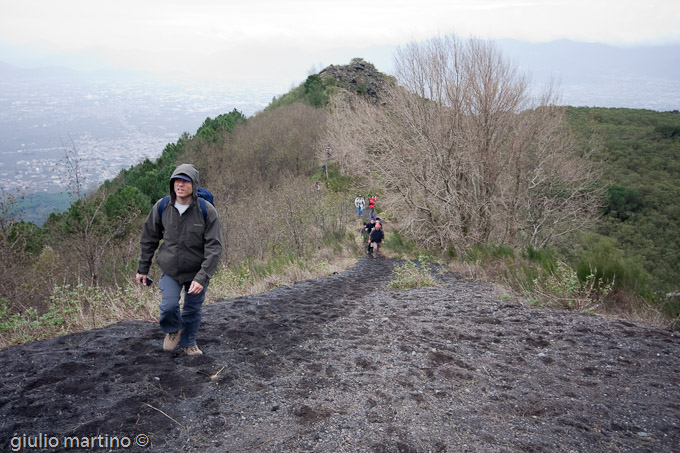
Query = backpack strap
x=166 y=199
x=204 y=209
x=161 y=206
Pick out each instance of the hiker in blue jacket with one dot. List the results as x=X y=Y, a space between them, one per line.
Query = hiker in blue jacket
x=191 y=249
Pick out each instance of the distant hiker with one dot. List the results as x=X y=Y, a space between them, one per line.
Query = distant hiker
x=364 y=229
x=188 y=257
x=368 y=227
x=377 y=237
x=359 y=202
x=371 y=205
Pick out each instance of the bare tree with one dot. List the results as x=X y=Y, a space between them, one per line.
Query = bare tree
x=90 y=236
x=75 y=179
x=464 y=152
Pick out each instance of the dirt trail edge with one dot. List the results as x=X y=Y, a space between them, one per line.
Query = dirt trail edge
x=340 y=364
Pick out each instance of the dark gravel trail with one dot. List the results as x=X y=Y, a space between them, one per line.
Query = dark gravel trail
x=342 y=364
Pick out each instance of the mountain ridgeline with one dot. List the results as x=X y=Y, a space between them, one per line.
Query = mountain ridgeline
x=263 y=172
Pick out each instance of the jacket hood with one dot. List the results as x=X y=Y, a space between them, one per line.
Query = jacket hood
x=191 y=172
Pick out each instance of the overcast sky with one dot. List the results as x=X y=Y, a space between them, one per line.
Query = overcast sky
x=285 y=39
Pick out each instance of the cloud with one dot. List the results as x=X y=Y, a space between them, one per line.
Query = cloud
x=179 y=36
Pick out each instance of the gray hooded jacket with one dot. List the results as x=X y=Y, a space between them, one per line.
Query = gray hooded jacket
x=191 y=246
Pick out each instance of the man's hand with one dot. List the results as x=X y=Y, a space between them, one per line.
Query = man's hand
x=195 y=287
x=141 y=278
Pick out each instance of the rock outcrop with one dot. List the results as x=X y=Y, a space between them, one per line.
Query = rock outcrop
x=359 y=77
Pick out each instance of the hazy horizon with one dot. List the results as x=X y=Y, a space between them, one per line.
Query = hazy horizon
x=279 y=41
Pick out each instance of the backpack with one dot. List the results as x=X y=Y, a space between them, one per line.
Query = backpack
x=203 y=196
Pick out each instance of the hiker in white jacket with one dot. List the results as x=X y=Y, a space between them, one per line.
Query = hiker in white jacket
x=359 y=203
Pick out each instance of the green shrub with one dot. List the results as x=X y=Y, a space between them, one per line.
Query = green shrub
x=211 y=128
x=545 y=257
x=601 y=258
x=315 y=91
x=409 y=275
x=484 y=252
x=667 y=131
x=336 y=181
x=562 y=288
x=397 y=244
x=622 y=202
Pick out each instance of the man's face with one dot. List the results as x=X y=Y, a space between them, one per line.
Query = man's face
x=183 y=188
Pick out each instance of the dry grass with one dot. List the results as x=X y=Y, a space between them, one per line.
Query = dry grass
x=227 y=284
x=74 y=309
x=617 y=304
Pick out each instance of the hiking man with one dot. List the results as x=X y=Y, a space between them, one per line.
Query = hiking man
x=376 y=238
x=359 y=203
x=192 y=245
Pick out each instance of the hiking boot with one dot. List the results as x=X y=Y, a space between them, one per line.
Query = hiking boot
x=171 y=340
x=192 y=350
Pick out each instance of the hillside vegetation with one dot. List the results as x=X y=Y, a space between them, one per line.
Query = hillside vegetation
x=641 y=153
x=575 y=207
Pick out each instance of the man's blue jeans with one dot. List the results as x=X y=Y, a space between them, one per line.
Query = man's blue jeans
x=360 y=211
x=171 y=320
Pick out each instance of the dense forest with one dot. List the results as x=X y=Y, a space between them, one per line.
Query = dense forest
x=640 y=150
x=614 y=247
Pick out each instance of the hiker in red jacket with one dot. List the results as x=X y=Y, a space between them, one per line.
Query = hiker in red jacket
x=371 y=205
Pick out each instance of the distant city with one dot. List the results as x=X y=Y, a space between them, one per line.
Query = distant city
x=107 y=125
x=98 y=161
